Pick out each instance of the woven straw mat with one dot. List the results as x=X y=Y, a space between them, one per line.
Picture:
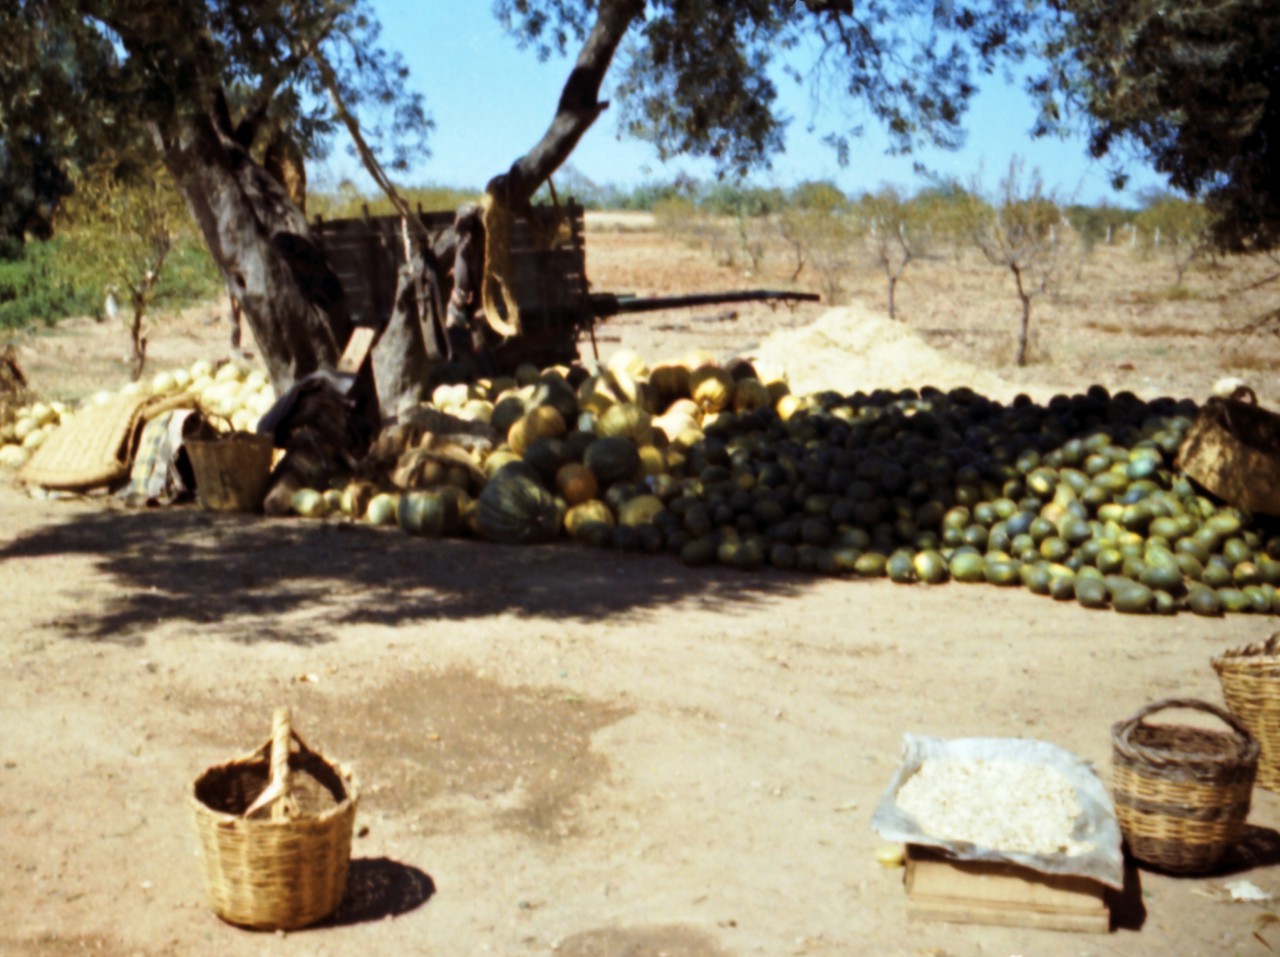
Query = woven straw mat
x=97 y=446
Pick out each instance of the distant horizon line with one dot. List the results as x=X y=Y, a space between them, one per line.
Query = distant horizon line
x=330 y=184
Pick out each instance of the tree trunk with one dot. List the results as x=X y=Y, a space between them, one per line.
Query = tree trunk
x=1024 y=332
x=260 y=240
x=893 y=288
x=578 y=108
x=137 y=345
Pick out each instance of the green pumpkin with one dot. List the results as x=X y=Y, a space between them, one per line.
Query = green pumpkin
x=382 y=509
x=612 y=458
x=968 y=567
x=515 y=509
x=430 y=514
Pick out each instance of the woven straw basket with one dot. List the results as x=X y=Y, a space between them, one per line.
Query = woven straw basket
x=1250 y=679
x=1233 y=450
x=1182 y=793
x=275 y=829
x=232 y=471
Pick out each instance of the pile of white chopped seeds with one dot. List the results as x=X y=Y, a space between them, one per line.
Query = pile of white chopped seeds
x=997 y=804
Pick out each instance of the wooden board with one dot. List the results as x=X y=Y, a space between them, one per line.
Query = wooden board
x=977 y=892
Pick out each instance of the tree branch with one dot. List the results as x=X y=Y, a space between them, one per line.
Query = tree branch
x=371 y=164
x=247 y=130
x=578 y=109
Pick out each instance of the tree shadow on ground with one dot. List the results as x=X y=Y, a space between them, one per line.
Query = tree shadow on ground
x=208 y=569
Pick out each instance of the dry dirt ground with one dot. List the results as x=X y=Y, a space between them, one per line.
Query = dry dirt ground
x=564 y=751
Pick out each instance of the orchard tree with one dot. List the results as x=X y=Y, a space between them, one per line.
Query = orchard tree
x=894 y=233
x=819 y=224
x=1020 y=231
x=201 y=77
x=1193 y=87
x=1175 y=229
x=948 y=209
x=124 y=224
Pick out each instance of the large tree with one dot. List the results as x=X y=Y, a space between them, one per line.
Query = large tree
x=697 y=77
x=202 y=80
x=1194 y=87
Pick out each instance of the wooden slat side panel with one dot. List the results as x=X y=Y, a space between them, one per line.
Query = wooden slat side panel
x=550 y=285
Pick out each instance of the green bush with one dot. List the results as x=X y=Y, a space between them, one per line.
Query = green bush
x=190 y=277
x=39 y=289
x=34 y=290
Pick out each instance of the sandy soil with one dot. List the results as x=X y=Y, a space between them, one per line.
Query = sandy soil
x=559 y=751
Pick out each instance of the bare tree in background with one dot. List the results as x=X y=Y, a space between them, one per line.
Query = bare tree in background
x=1023 y=232
x=894 y=234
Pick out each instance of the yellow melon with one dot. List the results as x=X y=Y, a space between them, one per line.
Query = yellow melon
x=652 y=461
x=712 y=388
x=628 y=362
x=628 y=420
x=640 y=510
x=592 y=510
x=540 y=422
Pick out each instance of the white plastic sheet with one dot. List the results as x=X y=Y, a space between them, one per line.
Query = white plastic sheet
x=1096 y=827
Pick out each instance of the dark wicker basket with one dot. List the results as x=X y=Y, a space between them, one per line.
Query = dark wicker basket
x=1182 y=793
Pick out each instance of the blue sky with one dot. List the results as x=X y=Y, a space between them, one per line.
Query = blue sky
x=491 y=101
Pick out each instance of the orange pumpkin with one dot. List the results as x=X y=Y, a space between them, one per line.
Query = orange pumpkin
x=576 y=483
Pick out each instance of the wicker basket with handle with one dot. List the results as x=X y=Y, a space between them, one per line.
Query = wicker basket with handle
x=1182 y=793
x=274 y=829
x=232 y=470
x=1250 y=679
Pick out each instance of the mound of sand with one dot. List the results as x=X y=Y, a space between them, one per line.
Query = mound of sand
x=851 y=348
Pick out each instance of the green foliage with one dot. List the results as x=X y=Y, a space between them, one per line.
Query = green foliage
x=724 y=198
x=191 y=276
x=1175 y=228
x=1094 y=224
x=126 y=226
x=822 y=230
x=89 y=82
x=40 y=287
x=35 y=290
x=819 y=196
x=1193 y=87
x=697 y=78
x=949 y=210
x=1179 y=221
x=647 y=196
x=347 y=201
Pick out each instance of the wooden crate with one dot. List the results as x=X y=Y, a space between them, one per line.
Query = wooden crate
x=978 y=892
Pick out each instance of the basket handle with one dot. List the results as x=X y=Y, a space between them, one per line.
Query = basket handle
x=1191 y=704
x=276 y=793
x=1243 y=393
